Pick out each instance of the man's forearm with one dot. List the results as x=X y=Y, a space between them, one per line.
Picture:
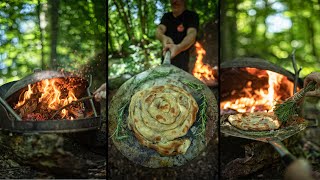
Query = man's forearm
x=160 y=33
x=188 y=40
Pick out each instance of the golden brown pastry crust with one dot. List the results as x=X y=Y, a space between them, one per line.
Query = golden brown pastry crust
x=160 y=116
x=256 y=121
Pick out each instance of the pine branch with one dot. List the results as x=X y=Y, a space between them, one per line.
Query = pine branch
x=287 y=109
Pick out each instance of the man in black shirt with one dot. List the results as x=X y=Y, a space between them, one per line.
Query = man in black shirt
x=177 y=32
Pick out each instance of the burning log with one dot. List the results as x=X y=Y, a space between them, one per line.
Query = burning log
x=74 y=110
x=42 y=99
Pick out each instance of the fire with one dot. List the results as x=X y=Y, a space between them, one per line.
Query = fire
x=27 y=95
x=47 y=95
x=274 y=84
x=203 y=72
x=263 y=98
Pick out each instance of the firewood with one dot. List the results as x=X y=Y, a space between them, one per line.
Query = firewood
x=63 y=107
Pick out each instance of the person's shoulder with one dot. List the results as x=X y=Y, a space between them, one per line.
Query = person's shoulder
x=190 y=13
x=167 y=14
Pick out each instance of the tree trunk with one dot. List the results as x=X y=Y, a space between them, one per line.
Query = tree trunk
x=125 y=19
x=110 y=26
x=228 y=31
x=142 y=16
x=41 y=33
x=110 y=42
x=311 y=37
x=146 y=15
x=99 y=9
x=54 y=7
x=129 y=14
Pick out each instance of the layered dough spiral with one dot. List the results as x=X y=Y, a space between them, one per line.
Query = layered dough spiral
x=160 y=116
x=255 y=121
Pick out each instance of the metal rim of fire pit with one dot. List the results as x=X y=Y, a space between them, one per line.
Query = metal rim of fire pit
x=259 y=64
x=8 y=122
x=49 y=126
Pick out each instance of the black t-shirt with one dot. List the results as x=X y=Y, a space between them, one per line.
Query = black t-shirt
x=177 y=31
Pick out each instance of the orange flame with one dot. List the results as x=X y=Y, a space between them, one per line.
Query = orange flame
x=51 y=95
x=203 y=72
x=262 y=99
x=27 y=95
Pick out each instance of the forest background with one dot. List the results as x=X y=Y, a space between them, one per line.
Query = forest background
x=52 y=34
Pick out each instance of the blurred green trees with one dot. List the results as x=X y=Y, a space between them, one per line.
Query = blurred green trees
x=50 y=34
x=132 y=46
x=272 y=29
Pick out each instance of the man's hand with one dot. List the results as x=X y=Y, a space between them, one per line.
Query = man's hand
x=299 y=169
x=168 y=43
x=160 y=34
x=173 y=48
x=186 y=43
x=166 y=40
x=314 y=76
x=101 y=92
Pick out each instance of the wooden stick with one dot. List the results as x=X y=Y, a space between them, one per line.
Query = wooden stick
x=296 y=71
x=73 y=102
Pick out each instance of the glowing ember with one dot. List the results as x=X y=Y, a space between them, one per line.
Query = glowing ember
x=203 y=72
x=263 y=98
x=43 y=98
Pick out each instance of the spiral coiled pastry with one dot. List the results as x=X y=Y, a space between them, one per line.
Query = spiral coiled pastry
x=255 y=121
x=160 y=116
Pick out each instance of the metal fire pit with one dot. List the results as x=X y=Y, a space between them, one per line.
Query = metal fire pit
x=259 y=64
x=11 y=121
x=233 y=68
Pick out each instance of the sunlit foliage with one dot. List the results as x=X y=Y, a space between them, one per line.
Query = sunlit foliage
x=25 y=35
x=272 y=29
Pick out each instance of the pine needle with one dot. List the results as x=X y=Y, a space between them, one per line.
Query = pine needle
x=120 y=123
x=287 y=109
x=195 y=86
x=203 y=106
x=152 y=76
x=203 y=116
